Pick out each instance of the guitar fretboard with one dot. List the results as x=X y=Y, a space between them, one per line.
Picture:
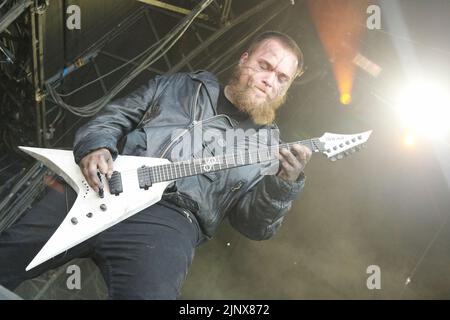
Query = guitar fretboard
x=181 y=169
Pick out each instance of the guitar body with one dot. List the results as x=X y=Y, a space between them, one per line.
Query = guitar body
x=91 y=214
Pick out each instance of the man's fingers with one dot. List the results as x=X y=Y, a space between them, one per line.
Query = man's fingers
x=299 y=152
x=103 y=166
x=92 y=178
x=290 y=158
x=110 y=167
x=302 y=153
x=98 y=160
x=285 y=164
x=293 y=161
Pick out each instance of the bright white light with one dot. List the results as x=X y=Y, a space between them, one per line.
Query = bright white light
x=424 y=107
x=409 y=139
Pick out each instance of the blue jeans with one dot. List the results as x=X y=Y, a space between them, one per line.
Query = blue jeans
x=146 y=256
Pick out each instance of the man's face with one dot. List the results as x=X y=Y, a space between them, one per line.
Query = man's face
x=260 y=82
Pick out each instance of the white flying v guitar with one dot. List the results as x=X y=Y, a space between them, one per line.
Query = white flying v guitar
x=139 y=182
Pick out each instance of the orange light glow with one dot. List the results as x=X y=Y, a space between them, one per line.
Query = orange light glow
x=340 y=24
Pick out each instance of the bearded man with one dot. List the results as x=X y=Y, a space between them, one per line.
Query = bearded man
x=147 y=256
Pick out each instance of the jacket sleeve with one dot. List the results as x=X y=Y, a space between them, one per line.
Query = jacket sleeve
x=259 y=213
x=114 y=121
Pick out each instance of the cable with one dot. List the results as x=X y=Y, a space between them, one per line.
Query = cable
x=92 y=108
x=3 y=3
x=106 y=74
x=169 y=41
x=124 y=82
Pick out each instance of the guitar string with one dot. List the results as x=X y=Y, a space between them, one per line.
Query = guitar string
x=166 y=170
x=228 y=157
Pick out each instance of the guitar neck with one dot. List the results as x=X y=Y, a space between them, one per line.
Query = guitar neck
x=181 y=169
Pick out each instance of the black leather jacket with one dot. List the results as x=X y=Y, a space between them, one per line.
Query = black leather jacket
x=143 y=123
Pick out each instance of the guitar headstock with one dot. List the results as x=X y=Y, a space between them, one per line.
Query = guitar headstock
x=337 y=146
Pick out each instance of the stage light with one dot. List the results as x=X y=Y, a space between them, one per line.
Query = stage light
x=424 y=107
x=346 y=98
x=409 y=139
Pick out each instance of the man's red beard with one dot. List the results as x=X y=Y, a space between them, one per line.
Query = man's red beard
x=261 y=113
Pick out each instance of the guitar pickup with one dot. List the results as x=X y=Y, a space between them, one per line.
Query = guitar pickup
x=115 y=183
x=145 y=180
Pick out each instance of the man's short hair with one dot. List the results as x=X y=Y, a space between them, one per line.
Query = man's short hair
x=285 y=40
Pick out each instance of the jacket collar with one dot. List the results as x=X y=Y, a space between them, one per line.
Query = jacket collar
x=211 y=84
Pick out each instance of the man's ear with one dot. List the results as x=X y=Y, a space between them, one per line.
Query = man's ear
x=243 y=59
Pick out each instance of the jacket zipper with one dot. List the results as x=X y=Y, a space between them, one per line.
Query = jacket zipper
x=170 y=143
x=193 y=124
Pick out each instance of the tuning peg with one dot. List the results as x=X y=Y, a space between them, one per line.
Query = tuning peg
x=340 y=156
x=333 y=159
x=346 y=153
x=352 y=150
x=357 y=148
